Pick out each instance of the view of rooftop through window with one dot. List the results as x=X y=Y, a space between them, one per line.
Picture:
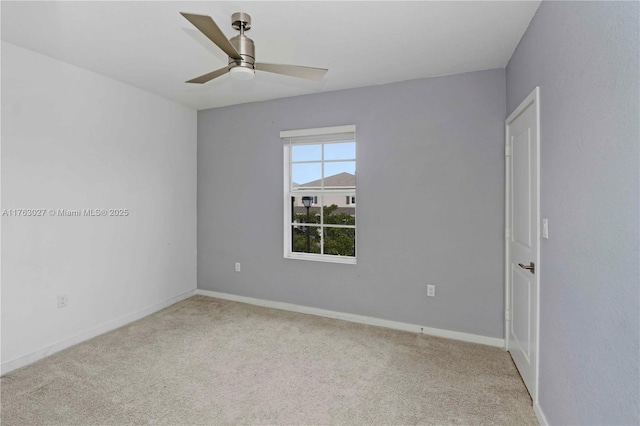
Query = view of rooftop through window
x=308 y=161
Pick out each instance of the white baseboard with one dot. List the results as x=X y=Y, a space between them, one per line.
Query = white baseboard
x=361 y=319
x=540 y=415
x=16 y=363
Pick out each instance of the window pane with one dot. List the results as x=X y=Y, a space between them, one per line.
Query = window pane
x=306 y=176
x=340 y=151
x=305 y=239
x=306 y=153
x=338 y=213
x=341 y=174
x=340 y=241
x=300 y=212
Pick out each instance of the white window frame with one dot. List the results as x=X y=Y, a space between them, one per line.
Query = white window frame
x=310 y=134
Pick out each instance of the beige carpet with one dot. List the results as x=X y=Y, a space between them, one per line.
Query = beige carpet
x=209 y=361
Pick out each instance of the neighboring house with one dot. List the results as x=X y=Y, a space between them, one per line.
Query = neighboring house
x=345 y=203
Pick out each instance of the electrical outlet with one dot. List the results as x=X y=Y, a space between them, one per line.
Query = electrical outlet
x=63 y=300
x=237 y=266
x=431 y=290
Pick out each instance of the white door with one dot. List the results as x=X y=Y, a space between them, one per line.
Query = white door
x=523 y=238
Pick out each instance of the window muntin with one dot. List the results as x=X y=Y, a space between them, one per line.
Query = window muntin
x=320 y=175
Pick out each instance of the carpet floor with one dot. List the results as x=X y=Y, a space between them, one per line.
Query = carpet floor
x=211 y=361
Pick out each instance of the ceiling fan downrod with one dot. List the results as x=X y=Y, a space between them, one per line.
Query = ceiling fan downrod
x=244 y=45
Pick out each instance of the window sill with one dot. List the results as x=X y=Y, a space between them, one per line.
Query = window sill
x=345 y=260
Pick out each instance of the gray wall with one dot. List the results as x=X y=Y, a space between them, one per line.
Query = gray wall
x=584 y=57
x=430 y=202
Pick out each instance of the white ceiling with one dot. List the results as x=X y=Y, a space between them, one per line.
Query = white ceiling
x=148 y=44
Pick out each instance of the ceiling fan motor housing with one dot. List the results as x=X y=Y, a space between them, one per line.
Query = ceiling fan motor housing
x=244 y=45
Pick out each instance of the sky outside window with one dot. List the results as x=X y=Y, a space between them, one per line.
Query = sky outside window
x=308 y=172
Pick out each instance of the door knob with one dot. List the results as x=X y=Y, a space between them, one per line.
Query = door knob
x=531 y=267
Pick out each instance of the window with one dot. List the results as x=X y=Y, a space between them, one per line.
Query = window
x=319 y=194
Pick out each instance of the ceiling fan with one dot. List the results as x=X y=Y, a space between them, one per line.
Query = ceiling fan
x=241 y=51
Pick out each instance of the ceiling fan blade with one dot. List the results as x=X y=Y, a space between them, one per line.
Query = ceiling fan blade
x=208 y=27
x=309 y=73
x=209 y=76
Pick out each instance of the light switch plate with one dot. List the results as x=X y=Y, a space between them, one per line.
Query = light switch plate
x=545 y=229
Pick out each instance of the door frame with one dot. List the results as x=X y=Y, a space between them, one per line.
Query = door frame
x=533 y=100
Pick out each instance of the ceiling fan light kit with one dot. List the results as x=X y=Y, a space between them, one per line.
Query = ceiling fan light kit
x=241 y=51
x=241 y=73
